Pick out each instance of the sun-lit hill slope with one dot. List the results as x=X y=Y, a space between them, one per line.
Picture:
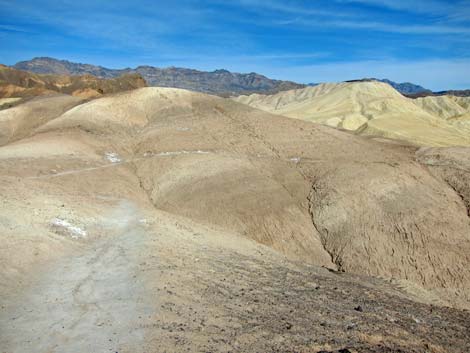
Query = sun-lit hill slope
x=20 y=121
x=17 y=83
x=8 y=102
x=311 y=192
x=445 y=107
x=369 y=108
x=455 y=110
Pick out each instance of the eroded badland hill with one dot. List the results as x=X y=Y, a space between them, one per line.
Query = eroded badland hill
x=164 y=220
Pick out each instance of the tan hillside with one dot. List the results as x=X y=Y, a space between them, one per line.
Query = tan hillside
x=17 y=83
x=161 y=217
x=21 y=120
x=369 y=108
x=371 y=209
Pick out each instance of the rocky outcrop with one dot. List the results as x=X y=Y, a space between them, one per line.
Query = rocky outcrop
x=17 y=83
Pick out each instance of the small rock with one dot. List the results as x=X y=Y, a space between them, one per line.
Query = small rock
x=358 y=308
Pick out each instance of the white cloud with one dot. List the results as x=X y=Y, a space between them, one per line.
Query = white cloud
x=382 y=27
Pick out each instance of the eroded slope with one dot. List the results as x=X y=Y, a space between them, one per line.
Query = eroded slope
x=311 y=192
x=454 y=110
x=369 y=108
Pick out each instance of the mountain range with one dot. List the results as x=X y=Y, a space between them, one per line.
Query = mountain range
x=407 y=88
x=219 y=82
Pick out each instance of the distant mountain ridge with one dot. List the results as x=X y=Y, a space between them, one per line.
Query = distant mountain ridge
x=406 y=87
x=219 y=82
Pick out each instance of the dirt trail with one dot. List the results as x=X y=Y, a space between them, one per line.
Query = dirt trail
x=90 y=302
x=116 y=164
x=167 y=284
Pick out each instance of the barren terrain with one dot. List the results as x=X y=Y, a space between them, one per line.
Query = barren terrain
x=163 y=220
x=375 y=109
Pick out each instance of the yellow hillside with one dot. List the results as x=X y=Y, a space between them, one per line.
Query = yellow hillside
x=455 y=110
x=369 y=108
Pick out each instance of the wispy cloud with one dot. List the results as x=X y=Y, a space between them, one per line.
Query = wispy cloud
x=384 y=27
x=302 y=14
x=426 y=6
x=286 y=56
x=292 y=7
x=282 y=38
x=11 y=28
x=453 y=10
x=116 y=23
x=240 y=62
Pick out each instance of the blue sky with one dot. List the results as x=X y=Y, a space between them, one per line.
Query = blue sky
x=422 y=41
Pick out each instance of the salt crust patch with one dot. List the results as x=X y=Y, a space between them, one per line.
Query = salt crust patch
x=112 y=157
x=74 y=231
x=295 y=159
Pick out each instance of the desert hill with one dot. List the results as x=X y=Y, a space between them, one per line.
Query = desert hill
x=21 y=121
x=219 y=216
x=453 y=109
x=17 y=83
x=405 y=88
x=219 y=82
x=366 y=107
x=446 y=107
x=225 y=164
x=455 y=93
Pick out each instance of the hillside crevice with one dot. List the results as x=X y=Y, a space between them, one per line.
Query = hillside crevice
x=335 y=257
